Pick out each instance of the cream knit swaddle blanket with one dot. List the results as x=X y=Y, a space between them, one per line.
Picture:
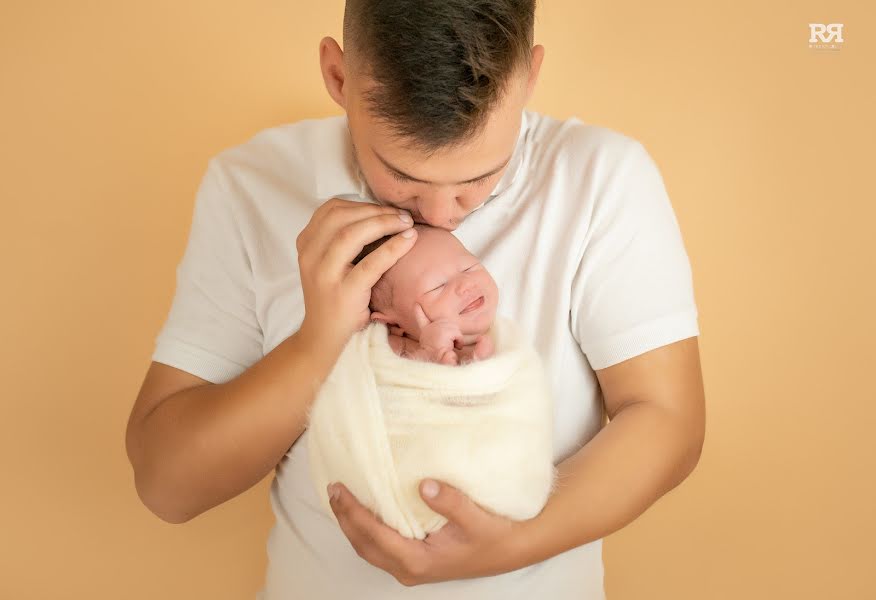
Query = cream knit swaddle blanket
x=380 y=423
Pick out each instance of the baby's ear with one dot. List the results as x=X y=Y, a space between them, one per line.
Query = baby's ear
x=380 y=317
x=394 y=328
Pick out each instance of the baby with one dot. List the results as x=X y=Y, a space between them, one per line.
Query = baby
x=381 y=423
x=438 y=301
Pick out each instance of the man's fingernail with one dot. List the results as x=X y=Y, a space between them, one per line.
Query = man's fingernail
x=430 y=488
x=333 y=491
x=406 y=217
x=408 y=233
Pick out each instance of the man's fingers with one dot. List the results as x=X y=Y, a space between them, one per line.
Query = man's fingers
x=355 y=234
x=372 y=267
x=330 y=241
x=374 y=541
x=334 y=215
x=450 y=502
x=330 y=209
x=315 y=229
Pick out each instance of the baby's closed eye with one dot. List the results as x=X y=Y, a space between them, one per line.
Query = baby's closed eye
x=435 y=289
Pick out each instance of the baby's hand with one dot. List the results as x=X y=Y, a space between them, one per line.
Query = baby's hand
x=483 y=348
x=439 y=337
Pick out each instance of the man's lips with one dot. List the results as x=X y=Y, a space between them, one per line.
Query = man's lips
x=473 y=306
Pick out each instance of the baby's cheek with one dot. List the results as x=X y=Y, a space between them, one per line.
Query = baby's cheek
x=451 y=306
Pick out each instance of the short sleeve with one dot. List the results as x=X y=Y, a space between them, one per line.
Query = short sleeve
x=211 y=329
x=632 y=291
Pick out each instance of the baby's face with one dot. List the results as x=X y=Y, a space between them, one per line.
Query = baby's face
x=447 y=281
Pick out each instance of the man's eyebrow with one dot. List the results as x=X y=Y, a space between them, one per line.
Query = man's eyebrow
x=473 y=179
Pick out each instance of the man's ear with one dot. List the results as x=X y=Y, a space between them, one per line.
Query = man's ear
x=331 y=63
x=534 y=69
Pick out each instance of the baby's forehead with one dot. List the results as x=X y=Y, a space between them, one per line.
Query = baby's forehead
x=434 y=251
x=437 y=238
x=417 y=266
x=437 y=247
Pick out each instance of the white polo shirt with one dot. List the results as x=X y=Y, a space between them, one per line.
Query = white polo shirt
x=580 y=237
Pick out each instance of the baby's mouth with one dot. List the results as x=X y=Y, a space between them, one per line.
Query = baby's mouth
x=473 y=306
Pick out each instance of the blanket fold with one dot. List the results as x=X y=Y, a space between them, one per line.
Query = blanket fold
x=381 y=423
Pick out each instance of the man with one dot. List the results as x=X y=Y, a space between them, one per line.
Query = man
x=572 y=221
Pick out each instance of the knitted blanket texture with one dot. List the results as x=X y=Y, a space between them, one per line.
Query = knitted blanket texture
x=381 y=423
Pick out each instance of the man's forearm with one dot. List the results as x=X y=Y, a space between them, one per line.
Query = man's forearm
x=644 y=452
x=207 y=444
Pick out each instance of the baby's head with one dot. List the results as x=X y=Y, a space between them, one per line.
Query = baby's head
x=440 y=275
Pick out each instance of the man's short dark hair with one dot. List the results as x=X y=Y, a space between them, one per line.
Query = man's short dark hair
x=437 y=67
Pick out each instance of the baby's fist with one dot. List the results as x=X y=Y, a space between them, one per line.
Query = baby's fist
x=438 y=337
x=484 y=348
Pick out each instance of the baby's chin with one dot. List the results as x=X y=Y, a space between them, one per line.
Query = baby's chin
x=477 y=322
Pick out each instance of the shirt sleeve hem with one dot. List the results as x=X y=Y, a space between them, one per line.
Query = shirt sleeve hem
x=195 y=360
x=643 y=338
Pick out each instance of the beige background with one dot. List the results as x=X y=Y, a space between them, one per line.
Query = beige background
x=109 y=111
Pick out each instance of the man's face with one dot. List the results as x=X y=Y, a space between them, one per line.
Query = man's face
x=442 y=189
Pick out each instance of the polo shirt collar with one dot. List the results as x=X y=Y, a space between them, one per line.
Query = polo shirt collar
x=337 y=174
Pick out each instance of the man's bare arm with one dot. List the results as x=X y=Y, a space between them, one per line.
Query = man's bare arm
x=194 y=444
x=656 y=406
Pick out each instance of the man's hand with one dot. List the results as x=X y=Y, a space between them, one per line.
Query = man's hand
x=337 y=293
x=473 y=543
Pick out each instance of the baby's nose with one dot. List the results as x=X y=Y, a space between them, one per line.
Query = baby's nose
x=465 y=286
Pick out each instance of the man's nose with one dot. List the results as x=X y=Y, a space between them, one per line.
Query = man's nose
x=439 y=210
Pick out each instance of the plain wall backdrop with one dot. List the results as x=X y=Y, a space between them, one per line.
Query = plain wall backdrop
x=110 y=110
